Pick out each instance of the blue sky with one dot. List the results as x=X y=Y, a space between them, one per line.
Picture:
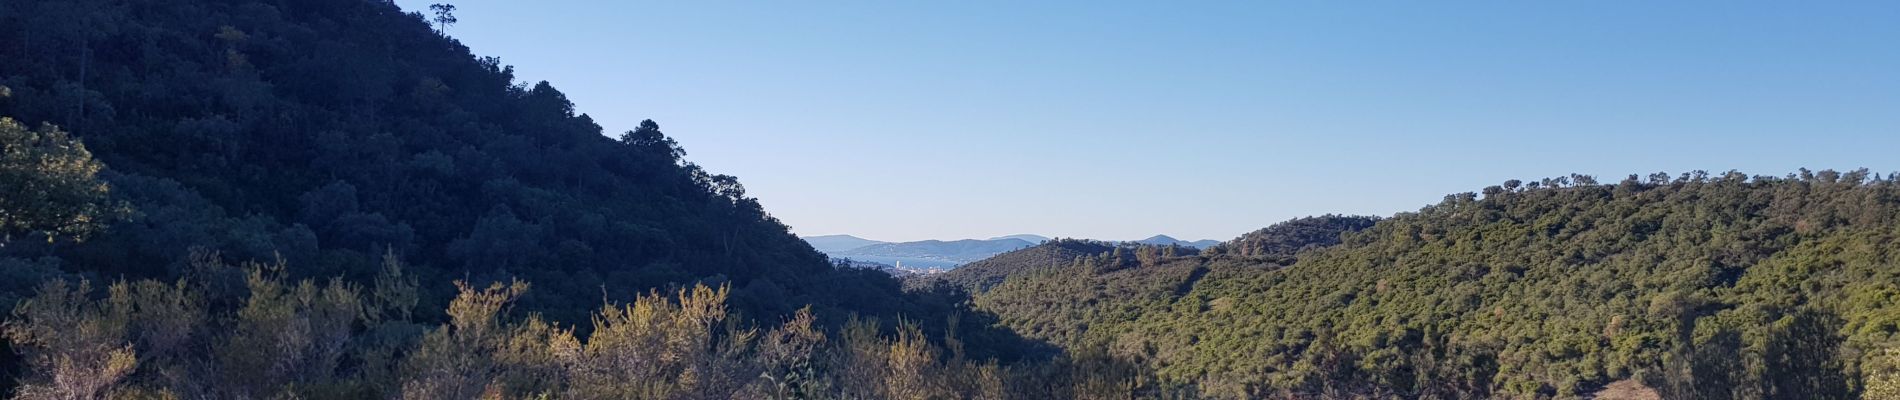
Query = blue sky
x=909 y=120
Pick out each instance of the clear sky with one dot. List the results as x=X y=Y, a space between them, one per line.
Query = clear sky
x=910 y=120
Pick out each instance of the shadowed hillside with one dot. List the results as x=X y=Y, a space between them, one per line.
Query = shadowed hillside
x=329 y=136
x=330 y=132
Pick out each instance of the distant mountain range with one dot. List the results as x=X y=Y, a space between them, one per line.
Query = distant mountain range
x=941 y=254
x=1164 y=240
x=835 y=243
x=1037 y=239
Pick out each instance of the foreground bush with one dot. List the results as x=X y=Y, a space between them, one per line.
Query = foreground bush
x=317 y=340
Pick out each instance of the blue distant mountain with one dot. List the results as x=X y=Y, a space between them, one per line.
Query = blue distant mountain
x=834 y=243
x=1164 y=240
x=1037 y=239
x=942 y=254
x=955 y=251
x=927 y=254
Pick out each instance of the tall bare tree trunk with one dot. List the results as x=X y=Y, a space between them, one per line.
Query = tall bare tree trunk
x=85 y=60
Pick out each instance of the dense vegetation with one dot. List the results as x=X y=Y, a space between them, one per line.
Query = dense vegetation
x=332 y=199
x=51 y=182
x=143 y=140
x=1699 y=286
x=1277 y=244
x=979 y=276
x=333 y=339
x=270 y=337
x=328 y=133
x=1286 y=239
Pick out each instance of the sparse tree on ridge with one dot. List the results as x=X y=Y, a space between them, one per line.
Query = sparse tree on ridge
x=444 y=17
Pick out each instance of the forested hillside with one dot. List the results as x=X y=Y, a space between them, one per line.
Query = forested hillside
x=979 y=276
x=328 y=133
x=1079 y=294
x=1700 y=286
x=332 y=199
x=335 y=340
x=190 y=148
x=1286 y=239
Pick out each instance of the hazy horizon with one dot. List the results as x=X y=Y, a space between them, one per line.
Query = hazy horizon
x=1007 y=236
x=920 y=121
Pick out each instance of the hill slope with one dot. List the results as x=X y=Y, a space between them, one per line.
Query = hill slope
x=1700 y=286
x=1287 y=239
x=328 y=133
x=981 y=275
x=327 y=199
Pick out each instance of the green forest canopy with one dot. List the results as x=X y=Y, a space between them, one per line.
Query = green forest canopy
x=328 y=133
x=1701 y=286
x=340 y=183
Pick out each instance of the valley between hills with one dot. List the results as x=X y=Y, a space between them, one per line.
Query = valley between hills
x=337 y=199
